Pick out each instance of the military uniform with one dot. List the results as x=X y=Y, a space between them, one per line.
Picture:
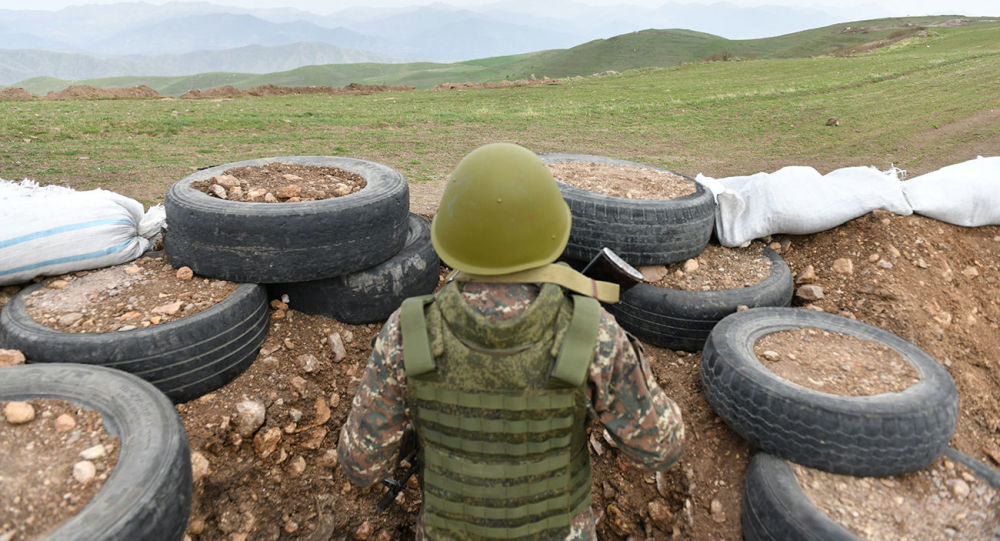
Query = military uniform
x=621 y=393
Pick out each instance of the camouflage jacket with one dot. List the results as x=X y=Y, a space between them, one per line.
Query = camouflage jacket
x=643 y=421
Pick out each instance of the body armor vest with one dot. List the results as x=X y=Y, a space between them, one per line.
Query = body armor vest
x=499 y=410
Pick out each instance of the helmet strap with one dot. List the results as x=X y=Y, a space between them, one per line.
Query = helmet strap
x=554 y=273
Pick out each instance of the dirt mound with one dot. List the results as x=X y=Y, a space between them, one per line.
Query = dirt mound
x=16 y=94
x=499 y=84
x=92 y=92
x=275 y=90
x=227 y=91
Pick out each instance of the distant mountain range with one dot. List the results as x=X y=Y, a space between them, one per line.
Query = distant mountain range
x=82 y=42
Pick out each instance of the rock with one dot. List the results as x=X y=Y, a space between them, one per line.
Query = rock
x=776 y=246
x=809 y=292
x=341 y=189
x=873 y=258
x=659 y=514
x=291 y=526
x=11 y=357
x=718 y=514
x=299 y=383
x=185 y=273
x=226 y=181
x=266 y=441
x=893 y=251
x=57 y=284
x=287 y=192
x=270 y=198
x=771 y=355
x=959 y=488
x=200 y=467
x=67 y=320
x=297 y=465
x=130 y=315
x=92 y=453
x=249 y=417
x=169 y=309
x=18 y=413
x=884 y=264
x=596 y=445
x=364 y=531
x=807 y=276
x=691 y=265
x=278 y=305
x=843 y=265
x=921 y=263
x=337 y=345
x=218 y=191
x=132 y=269
x=653 y=273
x=308 y=362
x=84 y=472
x=256 y=193
x=236 y=192
x=334 y=400
x=384 y=535
x=290 y=177
x=970 y=272
x=64 y=422
x=315 y=439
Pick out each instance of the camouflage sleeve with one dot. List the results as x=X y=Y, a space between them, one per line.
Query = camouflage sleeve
x=371 y=436
x=642 y=420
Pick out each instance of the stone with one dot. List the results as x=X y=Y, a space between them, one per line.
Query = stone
x=130 y=315
x=299 y=383
x=970 y=272
x=364 y=531
x=959 y=488
x=662 y=485
x=771 y=355
x=290 y=177
x=270 y=198
x=809 y=292
x=691 y=265
x=807 y=276
x=308 y=362
x=58 y=284
x=337 y=345
x=227 y=181
x=132 y=269
x=297 y=465
x=287 y=192
x=169 y=309
x=843 y=265
x=334 y=401
x=278 y=305
x=185 y=273
x=653 y=273
x=315 y=438
x=341 y=189
x=884 y=264
x=873 y=258
x=67 y=320
x=18 y=413
x=659 y=514
x=893 y=251
x=84 y=471
x=718 y=513
x=64 y=422
x=256 y=193
x=92 y=453
x=249 y=417
x=218 y=191
x=776 y=246
x=200 y=467
x=266 y=441
x=11 y=357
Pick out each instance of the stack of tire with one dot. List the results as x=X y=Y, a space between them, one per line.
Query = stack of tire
x=661 y=232
x=877 y=435
x=352 y=258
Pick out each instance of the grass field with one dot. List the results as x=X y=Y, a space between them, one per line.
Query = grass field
x=920 y=104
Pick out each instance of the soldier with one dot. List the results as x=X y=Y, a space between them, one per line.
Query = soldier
x=499 y=372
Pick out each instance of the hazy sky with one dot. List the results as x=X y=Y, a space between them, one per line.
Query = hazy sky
x=897 y=7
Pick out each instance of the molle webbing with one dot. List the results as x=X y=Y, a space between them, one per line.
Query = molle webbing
x=508 y=463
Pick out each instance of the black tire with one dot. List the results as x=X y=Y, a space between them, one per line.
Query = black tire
x=148 y=494
x=287 y=242
x=877 y=435
x=640 y=231
x=682 y=320
x=184 y=358
x=371 y=295
x=775 y=508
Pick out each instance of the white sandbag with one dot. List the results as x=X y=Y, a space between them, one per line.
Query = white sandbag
x=799 y=200
x=53 y=230
x=966 y=193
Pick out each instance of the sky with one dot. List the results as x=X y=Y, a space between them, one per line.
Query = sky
x=900 y=7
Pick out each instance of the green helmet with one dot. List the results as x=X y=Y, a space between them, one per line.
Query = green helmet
x=501 y=212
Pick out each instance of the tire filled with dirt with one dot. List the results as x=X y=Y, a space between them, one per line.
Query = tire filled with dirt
x=148 y=494
x=258 y=242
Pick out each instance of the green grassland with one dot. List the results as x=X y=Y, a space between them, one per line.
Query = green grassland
x=919 y=103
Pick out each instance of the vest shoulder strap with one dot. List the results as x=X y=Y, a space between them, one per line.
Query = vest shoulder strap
x=573 y=362
x=417 y=356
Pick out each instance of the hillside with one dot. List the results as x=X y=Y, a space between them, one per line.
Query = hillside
x=648 y=48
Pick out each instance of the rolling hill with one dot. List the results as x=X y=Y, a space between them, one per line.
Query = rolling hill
x=643 y=49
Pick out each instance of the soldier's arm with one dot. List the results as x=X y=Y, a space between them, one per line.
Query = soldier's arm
x=371 y=436
x=642 y=420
